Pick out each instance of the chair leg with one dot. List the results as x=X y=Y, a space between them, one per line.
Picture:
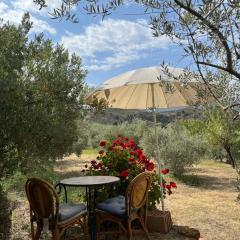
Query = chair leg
x=85 y=228
x=38 y=232
x=32 y=230
x=129 y=229
x=144 y=228
x=55 y=234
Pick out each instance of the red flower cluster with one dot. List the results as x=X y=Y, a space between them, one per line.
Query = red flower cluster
x=165 y=171
x=169 y=187
x=124 y=147
x=122 y=157
x=102 y=143
x=124 y=173
x=96 y=165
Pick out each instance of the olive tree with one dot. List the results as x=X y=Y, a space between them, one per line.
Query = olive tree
x=41 y=97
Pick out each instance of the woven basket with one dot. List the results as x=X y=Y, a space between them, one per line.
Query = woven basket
x=159 y=221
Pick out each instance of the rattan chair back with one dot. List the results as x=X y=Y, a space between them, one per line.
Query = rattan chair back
x=42 y=198
x=137 y=191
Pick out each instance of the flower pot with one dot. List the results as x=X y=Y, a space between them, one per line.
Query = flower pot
x=159 y=221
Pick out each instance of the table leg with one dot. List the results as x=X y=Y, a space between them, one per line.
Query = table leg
x=91 y=202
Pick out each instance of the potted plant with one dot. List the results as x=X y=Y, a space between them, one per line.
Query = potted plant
x=122 y=157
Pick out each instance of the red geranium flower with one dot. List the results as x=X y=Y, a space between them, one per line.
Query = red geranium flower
x=117 y=142
x=131 y=159
x=124 y=173
x=142 y=158
x=165 y=171
x=102 y=143
x=168 y=186
x=150 y=166
x=173 y=184
x=133 y=153
x=139 y=151
x=132 y=142
x=98 y=166
x=126 y=145
x=126 y=138
x=93 y=162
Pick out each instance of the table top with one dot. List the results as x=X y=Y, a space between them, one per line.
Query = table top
x=85 y=181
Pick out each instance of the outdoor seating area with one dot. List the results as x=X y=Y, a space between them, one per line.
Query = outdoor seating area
x=119 y=120
x=47 y=212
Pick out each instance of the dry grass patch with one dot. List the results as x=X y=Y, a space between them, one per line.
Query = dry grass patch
x=211 y=206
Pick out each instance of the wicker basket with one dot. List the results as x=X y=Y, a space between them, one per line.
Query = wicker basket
x=159 y=221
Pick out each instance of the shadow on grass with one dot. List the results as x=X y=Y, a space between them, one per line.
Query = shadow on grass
x=207 y=182
x=5 y=216
x=190 y=179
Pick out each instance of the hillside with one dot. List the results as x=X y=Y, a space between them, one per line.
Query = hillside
x=116 y=116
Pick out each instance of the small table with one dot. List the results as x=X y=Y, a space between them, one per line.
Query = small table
x=91 y=183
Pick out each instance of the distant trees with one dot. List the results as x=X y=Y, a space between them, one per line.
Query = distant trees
x=41 y=96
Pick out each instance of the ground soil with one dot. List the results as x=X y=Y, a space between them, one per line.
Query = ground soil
x=205 y=199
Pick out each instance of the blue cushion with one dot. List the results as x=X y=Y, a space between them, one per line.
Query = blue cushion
x=115 y=206
x=68 y=210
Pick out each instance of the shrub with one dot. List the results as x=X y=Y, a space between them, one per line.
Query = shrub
x=178 y=148
x=123 y=158
x=16 y=181
x=96 y=131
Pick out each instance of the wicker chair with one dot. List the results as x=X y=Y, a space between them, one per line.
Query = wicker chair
x=45 y=210
x=124 y=210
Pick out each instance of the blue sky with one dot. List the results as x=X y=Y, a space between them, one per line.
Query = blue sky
x=121 y=42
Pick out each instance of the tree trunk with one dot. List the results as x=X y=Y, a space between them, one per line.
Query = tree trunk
x=230 y=159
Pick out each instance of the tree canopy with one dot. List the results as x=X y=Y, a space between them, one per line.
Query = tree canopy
x=41 y=96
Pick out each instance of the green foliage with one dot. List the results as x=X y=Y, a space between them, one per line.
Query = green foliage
x=41 y=97
x=16 y=181
x=220 y=127
x=222 y=133
x=97 y=131
x=178 y=148
x=123 y=158
x=82 y=137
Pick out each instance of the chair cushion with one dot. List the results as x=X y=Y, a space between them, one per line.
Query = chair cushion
x=68 y=210
x=115 y=206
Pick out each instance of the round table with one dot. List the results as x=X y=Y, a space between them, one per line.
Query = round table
x=91 y=183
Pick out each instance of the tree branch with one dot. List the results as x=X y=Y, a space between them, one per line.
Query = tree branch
x=236 y=74
x=214 y=30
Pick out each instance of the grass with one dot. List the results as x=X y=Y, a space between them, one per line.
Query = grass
x=189 y=179
x=210 y=206
x=205 y=199
x=89 y=151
